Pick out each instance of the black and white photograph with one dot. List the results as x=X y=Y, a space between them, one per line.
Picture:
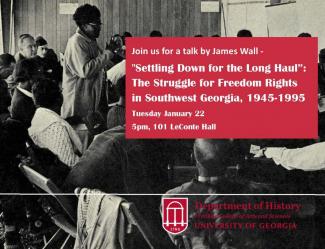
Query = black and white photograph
x=69 y=178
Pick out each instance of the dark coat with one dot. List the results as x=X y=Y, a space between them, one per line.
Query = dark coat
x=111 y=164
x=13 y=136
x=22 y=108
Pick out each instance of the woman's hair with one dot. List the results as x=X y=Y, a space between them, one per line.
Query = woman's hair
x=46 y=93
x=86 y=14
x=40 y=41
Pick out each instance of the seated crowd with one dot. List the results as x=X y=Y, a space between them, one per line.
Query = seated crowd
x=34 y=89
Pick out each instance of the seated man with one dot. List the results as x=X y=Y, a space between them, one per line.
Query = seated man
x=48 y=129
x=114 y=164
x=22 y=106
x=49 y=59
x=211 y=161
x=26 y=46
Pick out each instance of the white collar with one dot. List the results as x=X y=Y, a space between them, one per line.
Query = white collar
x=209 y=179
x=27 y=93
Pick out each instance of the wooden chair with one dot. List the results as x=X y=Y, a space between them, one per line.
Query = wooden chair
x=135 y=220
x=65 y=221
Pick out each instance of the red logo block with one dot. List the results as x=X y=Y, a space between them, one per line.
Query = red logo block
x=175 y=214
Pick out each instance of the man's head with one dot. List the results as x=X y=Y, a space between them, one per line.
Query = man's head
x=211 y=156
x=27 y=46
x=47 y=94
x=244 y=33
x=87 y=17
x=304 y=35
x=42 y=46
x=155 y=33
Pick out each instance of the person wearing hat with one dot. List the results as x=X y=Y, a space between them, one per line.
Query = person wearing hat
x=49 y=60
x=84 y=64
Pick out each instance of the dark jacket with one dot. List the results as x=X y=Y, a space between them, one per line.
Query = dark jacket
x=51 y=66
x=111 y=164
x=22 y=107
x=13 y=136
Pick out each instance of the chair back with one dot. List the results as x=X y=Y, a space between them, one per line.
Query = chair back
x=136 y=219
x=49 y=187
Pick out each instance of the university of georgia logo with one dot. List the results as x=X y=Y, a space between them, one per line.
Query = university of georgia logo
x=175 y=214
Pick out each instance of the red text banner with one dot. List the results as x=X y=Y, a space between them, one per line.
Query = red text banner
x=221 y=88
